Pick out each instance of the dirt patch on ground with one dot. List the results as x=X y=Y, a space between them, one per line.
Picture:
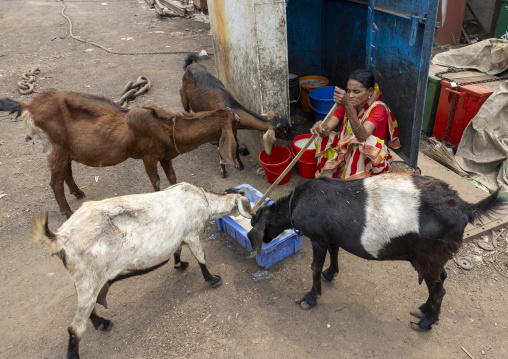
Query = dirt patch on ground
x=364 y=313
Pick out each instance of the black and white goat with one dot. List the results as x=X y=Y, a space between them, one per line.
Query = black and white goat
x=116 y=238
x=388 y=217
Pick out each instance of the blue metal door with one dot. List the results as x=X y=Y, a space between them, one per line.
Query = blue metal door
x=392 y=38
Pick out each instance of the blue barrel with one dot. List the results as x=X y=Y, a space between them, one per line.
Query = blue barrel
x=321 y=101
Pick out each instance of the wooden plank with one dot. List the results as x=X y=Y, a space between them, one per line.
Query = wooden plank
x=174 y=6
x=485 y=229
x=475 y=17
x=159 y=7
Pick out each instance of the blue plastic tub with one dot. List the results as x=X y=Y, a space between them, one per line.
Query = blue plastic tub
x=321 y=101
x=270 y=253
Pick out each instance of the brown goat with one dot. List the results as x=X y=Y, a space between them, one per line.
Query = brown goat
x=201 y=91
x=97 y=132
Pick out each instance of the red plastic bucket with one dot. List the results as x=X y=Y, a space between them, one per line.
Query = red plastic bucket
x=272 y=176
x=297 y=145
x=278 y=161
x=275 y=164
x=306 y=169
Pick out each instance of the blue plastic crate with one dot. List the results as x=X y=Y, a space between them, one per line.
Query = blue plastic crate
x=270 y=253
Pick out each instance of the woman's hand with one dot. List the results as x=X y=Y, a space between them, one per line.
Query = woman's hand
x=340 y=97
x=324 y=131
x=320 y=130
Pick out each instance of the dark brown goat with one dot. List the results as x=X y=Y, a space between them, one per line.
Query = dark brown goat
x=201 y=91
x=97 y=132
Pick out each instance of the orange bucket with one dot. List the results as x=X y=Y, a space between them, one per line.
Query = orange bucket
x=307 y=84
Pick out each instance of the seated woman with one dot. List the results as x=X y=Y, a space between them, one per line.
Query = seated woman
x=359 y=149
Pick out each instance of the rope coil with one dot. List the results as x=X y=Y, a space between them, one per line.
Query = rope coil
x=126 y=53
x=133 y=89
x=26 y=86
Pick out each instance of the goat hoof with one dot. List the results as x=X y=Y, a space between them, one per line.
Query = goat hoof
x=240 y=166
x=416 y=326
x=304 y=305
x=107 y=325
x=101 y=323
x=417 y=313
x=223 y=174
x=181 y=266
x=216 y=281
x=329 y=275
x=79 y=194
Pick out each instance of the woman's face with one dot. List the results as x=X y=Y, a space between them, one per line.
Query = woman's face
x=358 y=94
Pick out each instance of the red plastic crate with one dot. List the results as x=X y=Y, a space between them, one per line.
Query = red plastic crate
x=469 y=100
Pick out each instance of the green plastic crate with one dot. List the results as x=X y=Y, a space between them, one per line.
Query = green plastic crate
x=502 y=22
x=431 y=101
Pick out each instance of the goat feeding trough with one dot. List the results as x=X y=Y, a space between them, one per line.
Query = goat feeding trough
x=283 y=246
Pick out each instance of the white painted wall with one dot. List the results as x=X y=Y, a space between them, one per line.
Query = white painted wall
x=250 y=43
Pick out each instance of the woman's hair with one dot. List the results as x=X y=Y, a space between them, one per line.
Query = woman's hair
x=365 y=77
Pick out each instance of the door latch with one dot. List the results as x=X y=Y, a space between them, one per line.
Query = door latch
x=415 y=20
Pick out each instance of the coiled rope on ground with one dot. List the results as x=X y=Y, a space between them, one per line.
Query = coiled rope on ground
x=133 y=89
x=26 y=86
x=124 y=53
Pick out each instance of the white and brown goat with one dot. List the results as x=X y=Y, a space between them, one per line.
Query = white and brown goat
x=120 y=237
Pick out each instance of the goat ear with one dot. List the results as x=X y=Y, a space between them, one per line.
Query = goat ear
x=244 y=207
x=256 y=235
x=269 y=114
x=233 y=190
x=227 y=145
x=269 y=140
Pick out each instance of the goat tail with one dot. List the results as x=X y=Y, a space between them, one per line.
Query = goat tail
x=486 y=207
x=35 y=133
x=11 y=106
x=42 y=234
x=192 y=58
